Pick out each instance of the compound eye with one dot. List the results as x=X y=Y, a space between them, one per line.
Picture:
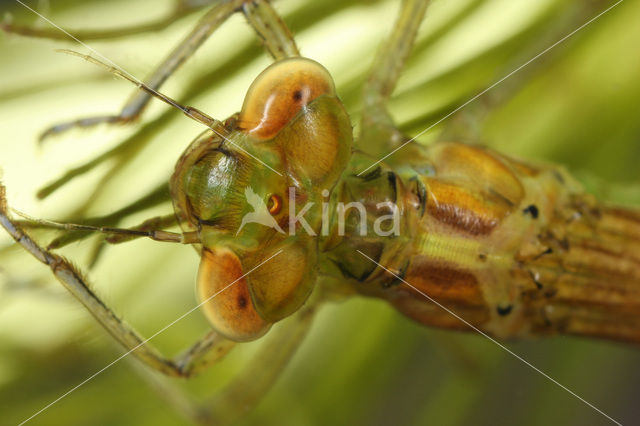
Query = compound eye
x=225 y=298
x=280 y=92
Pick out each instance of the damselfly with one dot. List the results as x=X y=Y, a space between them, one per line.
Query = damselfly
x=512 y=248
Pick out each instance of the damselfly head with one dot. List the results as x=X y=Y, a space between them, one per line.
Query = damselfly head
x=241 y=184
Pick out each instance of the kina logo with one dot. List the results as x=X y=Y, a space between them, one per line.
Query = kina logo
x=260 y=213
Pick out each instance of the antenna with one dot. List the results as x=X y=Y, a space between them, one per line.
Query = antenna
x=191 y=112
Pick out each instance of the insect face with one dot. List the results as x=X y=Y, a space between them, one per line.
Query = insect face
x=290 y=143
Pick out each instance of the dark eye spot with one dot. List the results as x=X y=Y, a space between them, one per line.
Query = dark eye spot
x=297 y=95
x=242 y=302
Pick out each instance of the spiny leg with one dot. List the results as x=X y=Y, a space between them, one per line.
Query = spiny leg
x=182 y=8
x=72 y=280
x=378 y=134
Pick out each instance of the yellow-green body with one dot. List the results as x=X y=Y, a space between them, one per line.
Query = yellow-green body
x=509 y=247
x=513 y=248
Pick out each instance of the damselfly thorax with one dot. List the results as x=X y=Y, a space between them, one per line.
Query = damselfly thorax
x=514 y=248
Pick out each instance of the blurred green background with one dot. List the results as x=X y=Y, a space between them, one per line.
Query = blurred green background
x=362 y=363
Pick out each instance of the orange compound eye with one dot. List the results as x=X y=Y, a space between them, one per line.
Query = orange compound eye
x=280 y=92
x=225 y=298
